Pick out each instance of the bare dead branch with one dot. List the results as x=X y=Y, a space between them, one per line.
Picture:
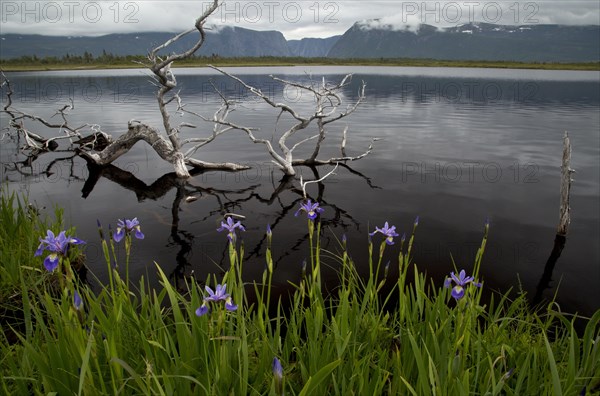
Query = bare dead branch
x=259 y=94
x=303 y=141
x=199 y=25
x=33 y=141
x=219 y=115
x=331 y=161
x=165 y=77
x=350 y=109
x=278 y=160
x=327 y=98
x=303 y=184
x=219 y=165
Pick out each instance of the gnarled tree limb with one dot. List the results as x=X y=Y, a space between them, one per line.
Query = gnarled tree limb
x=327 y=101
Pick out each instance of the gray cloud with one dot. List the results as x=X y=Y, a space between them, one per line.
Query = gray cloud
x=296 y=19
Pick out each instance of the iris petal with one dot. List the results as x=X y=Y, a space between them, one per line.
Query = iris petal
x=51 y=262
x=39 y=250
x=455 y=278
x=209 y=290
x=138 y=233
x=458 y=292
x=118 y=236
x=77 y=302
x=202 y=310
x=76 y=241
x=229 y=305
x=277 y=369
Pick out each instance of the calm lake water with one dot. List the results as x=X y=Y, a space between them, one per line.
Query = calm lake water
x=457 y=146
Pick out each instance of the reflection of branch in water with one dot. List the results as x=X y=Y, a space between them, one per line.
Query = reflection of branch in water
x=285 y=210
x=229 y=206
x=183 y=239
x=25 y=168
x=127 y=180
x=163 y=185
x=286 y=184
x=226 y=201
x=544 y=283
x=357 y=173
x=71 y=160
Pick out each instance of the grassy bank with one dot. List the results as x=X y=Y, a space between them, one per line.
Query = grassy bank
x=392 y=332
x=75 y=63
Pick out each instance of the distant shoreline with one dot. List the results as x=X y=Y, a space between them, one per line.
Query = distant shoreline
x=18 y=65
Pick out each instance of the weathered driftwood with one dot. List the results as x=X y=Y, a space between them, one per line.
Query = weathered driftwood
x=565 y=188
x=164 y=148
x=34 y=141
x=563 y=222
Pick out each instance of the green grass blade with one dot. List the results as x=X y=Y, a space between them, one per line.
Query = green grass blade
x=314 y=381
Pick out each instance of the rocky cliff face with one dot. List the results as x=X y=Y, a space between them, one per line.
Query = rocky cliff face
x=312 y=47
x=234 y=41
x=228 y=42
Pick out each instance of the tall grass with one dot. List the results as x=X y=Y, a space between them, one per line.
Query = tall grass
x=411 y=339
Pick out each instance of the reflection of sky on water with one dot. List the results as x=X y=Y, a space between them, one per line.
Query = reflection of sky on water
x=458 y=146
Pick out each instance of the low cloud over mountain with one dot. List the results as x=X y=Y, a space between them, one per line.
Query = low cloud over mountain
x=379 y=38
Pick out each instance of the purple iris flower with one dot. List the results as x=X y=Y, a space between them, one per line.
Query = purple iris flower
x=387 y=231
x=311 y=209
x=219 y=294
x=125 y=228
x=57 y=246
x=277 y=369
x=461 y=281
x=77 y=301
x=230 y=226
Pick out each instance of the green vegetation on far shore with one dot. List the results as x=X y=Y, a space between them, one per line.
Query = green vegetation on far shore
x=109 y=61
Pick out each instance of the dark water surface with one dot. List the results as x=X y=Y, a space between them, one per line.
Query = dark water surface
x=457 y=146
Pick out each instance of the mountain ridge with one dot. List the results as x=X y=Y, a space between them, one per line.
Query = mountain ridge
x=472 y=41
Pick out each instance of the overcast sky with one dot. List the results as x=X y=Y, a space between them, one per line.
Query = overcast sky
x=295 y=19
